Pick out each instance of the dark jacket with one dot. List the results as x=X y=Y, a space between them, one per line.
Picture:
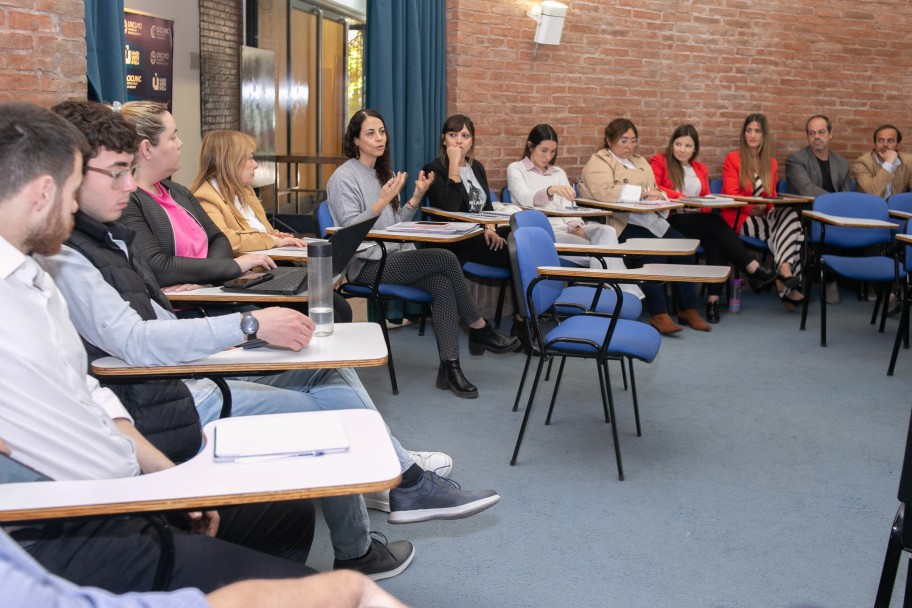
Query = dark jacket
x=163 y=410
x=452 y=196
x=155 y=238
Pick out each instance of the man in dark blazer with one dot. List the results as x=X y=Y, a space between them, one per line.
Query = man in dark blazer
x=815 y=169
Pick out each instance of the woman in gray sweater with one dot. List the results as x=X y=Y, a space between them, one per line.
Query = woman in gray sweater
x=366 y=187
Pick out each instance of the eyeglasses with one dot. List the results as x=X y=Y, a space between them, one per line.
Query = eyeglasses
x=632 y=141
x=118 y=178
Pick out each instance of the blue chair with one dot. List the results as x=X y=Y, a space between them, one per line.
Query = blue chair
x=535 y=218
x=903 y=255
x=782 y=186
x=715 y=186
x=902 y=203
x=377 y=294
x=505 y=195
x=878 y=269
x=591 y=334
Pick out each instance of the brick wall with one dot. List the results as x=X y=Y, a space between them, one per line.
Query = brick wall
x=221 y=36
x=664 y=62
x=42 y=51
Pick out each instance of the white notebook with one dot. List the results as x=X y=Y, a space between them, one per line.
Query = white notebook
x=278 y=436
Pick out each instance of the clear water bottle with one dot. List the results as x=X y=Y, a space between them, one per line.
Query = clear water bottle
x=734 y=299
x=319 y=287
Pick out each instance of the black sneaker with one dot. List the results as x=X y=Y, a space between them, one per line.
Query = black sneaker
x=436 y=497
x=383 y=559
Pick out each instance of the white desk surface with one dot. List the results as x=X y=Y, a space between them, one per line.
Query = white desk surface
x=350 y=345
x=687 y=273
x=577 y=212
x=900 y=214
x=641 y=207
x=638 y=246
x=296 y=254
x=491 y=218
x=723 y=202
x=417 y=237
x=849 y=222
x=370 y=464
x=783 y=199
x=215 y=294
x=904 y=238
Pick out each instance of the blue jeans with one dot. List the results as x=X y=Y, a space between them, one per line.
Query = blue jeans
x=310 y=391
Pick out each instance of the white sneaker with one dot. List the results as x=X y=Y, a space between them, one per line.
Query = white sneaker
x=438 y=462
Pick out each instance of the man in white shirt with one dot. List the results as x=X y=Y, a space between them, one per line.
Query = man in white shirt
x=59 y=421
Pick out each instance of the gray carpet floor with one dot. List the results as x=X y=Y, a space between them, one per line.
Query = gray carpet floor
x=766 y=474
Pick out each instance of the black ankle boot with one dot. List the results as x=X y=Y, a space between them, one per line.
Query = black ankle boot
x=488 y=338
x=450 y=376
x=712 y=311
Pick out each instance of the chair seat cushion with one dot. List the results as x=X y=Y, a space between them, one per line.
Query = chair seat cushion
x=630 y=339
x=582 y=295
x=486 y=272
x=754 y=242
x=405 y=292
x=872 y=268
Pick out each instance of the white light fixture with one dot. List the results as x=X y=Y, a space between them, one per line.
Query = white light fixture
x=549 y=16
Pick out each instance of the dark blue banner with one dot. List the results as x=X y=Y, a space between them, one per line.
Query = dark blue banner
x=149 y=57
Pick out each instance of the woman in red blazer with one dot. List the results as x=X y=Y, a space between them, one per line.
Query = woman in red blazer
x=678 y=173
x=751 y=171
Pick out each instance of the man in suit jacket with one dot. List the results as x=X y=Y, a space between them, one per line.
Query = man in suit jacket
x=884 y=171
x=815 y=169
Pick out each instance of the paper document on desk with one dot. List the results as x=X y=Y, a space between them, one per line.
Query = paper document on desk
x=433 y=227
x=709 y=200
x=252 y=438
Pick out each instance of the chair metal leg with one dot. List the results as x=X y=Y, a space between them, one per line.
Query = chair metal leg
x=423 y=322
x=522 y=428
x=522 y=381
x=891 y=563
x=390 y=365
x=901 y=331
x=822 y=307
x=560 y=374
x=624 y=374
x=548 y=373
x=633 y=390
x=498 y=313
x=606 y=398
x=807 y=285
x=885 y=304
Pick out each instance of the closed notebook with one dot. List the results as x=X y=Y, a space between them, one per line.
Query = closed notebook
x=279 y=436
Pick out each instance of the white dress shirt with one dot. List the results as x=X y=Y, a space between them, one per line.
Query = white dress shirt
x=54 y=417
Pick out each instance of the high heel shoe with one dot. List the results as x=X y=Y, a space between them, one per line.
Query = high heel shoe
x=712 y=311
x=790 y=302
x=791 y=282
x=488 y=338
x=761 y=278
x=450 y=376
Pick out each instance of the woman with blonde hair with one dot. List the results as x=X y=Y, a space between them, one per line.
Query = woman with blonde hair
x=223 y=186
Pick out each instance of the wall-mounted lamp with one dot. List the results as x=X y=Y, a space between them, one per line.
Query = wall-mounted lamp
x=549 y=16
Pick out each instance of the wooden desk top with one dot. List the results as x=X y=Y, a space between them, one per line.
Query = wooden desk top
x=904 y=238
x=582 y=212
x=350 y=345
x=215 y=294
x=416 y=237
x=849 y=222
x=785 y=199
x=720 y=203
x=486 y=217
x=295 y=254
x=900 y=214
x=684 y=273
x=641 y=207
x=634 y=247
x=369 y=465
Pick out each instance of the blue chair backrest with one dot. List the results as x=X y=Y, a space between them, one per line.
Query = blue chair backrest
x=782 y=186
x=852 y=204
x=534 y=248
x=505 y=195
x=715 y=186
x=532 y=218
x=908 y=252
x=901 y=202
x=324 y=218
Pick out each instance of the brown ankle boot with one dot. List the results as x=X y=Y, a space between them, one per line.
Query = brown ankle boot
x=664 y=324
x=691 y=317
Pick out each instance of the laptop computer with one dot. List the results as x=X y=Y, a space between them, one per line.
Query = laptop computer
x=289 y=281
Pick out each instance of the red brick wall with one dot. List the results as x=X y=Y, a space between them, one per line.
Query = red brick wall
x=221 y=36
x=42 y=51
x=663 y=62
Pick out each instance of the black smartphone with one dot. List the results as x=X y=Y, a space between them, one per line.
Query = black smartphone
x=248 y=280
x=13 y=471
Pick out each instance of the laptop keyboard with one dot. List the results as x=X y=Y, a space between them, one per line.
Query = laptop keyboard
x=288 y=281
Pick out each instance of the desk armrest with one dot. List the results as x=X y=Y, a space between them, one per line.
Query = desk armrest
x=848 y=222
x=686 y=273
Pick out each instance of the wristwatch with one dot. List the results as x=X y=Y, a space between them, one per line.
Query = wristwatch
x=249 y=325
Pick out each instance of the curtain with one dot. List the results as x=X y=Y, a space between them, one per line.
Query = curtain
x=405 y=70
x=105 y=69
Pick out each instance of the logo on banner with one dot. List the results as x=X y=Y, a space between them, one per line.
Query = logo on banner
x=160 y=32
x=131 y=57
x=160 y=57
x=159 y=83
x=132 y=28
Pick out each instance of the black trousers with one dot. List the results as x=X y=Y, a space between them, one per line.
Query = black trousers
x=684 y=293
x=721 y=244
x=476 y=250
x=121 y=554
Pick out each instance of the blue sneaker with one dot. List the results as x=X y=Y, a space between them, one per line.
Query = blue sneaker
x=436 y=497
